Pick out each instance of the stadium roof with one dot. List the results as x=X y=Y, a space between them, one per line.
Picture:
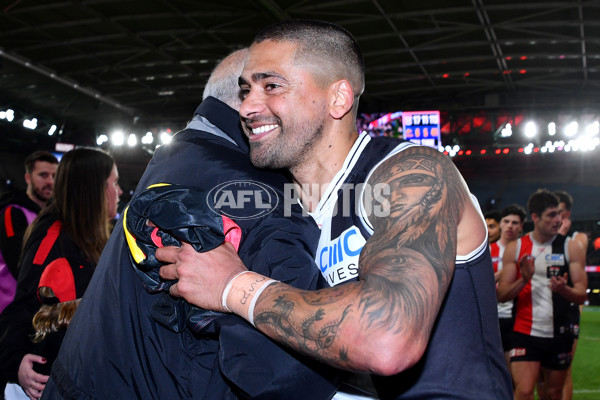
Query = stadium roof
x=90 y=63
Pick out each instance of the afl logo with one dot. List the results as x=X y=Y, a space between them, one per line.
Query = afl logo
x=242 y=199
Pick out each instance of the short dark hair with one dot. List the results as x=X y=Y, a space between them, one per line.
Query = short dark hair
x=492 y=214
x=514 y=209
x=564 y=197
x=40 y=155
x=540 y=200
x=326 y=42
x=79 y=198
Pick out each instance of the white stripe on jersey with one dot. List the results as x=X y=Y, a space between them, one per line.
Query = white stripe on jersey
x=329 y=197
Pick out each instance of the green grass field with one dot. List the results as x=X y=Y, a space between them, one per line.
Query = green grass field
x=586 y=366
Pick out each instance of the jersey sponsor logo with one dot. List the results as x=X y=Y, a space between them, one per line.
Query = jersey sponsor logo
x=338 y=259
x=555 y=259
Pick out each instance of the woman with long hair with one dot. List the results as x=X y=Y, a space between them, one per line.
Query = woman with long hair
x=62 y=247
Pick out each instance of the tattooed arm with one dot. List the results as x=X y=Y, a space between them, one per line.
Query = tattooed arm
x=380 y=324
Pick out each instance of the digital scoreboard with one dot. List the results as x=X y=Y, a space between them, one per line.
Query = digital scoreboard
x=422 y=127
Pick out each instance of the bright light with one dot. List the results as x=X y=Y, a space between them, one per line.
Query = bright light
x=530 y=129
x=165 y=138
x=132 y=140
x=456 y=148
x=506 y=131
x=8 y=115
x=585 y=143
x=52 y=130
x=147 y=138
x=101 y=139
x=448 y=148
x=30 y=123
x=592 y=129
x=571 y=129
x=528 y=150
x=551 y=129
x=117 y=138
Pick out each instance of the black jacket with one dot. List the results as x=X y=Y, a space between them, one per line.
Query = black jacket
x=47 y=242
x=115 y=349
x=12 y=244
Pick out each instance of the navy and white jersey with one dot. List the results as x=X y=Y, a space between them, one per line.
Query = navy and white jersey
x=342 y=213
x=466 y=332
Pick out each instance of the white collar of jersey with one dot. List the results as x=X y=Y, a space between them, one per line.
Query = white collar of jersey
x=330 y=195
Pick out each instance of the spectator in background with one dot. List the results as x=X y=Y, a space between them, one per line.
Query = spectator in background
x=511 y=226
x=17 y=211
x=69 y=234
x=492 y=219
x=545 y=273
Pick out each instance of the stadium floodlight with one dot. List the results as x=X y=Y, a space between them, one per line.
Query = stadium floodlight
x=571 y=129
x=117 y=138
x=592 y=129
x=551 y=129
x=52 y=130
x=30 y=123
x=506 y=131
x=165 y=138
x=530 y=129
x=101 y=139
x=132 y=140
x=147 y=138
x=8 y=115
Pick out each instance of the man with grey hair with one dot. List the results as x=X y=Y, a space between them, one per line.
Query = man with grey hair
x=120 y=345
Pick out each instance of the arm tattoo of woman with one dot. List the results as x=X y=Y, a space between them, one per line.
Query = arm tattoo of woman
x=405 y=267
x=409 y=261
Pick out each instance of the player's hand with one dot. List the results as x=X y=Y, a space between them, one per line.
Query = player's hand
x=558 y=283
x=202 y=276
x=527 y=266
x=565 y=226
x=32 y=383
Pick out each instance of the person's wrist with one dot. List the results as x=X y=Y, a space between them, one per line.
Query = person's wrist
x=244 y=291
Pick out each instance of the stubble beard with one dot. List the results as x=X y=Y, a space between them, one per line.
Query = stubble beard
x=37 y=193
x=290 y=148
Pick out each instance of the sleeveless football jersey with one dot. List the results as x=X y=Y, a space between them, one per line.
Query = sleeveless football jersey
x=466 y=331
x=539 y=311
x=505 y=308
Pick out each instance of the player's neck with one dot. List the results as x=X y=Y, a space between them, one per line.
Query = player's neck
x=313 y=176
x=539 y=237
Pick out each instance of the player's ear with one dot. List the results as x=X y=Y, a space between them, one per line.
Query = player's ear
x=342 y=98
